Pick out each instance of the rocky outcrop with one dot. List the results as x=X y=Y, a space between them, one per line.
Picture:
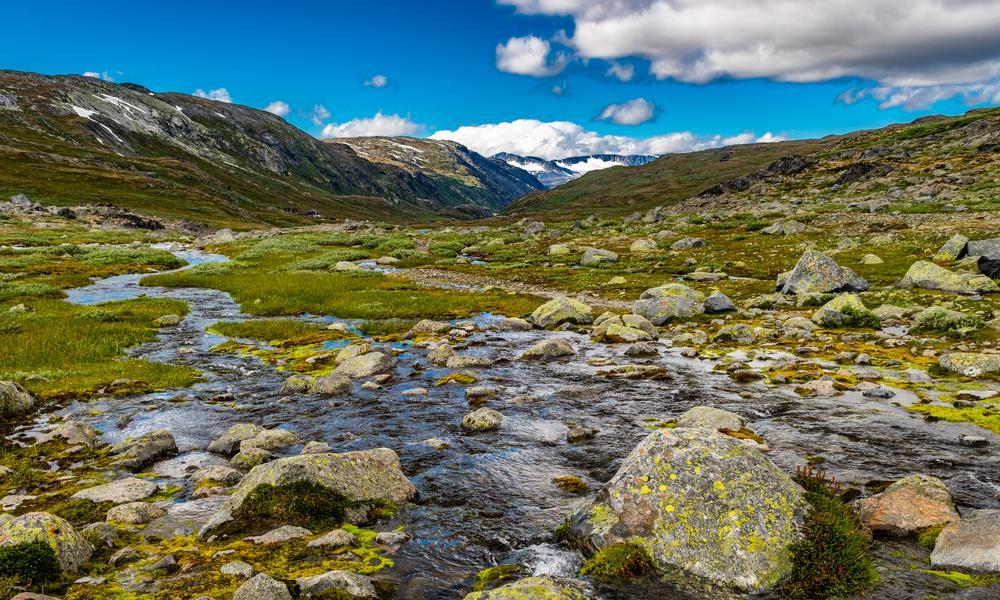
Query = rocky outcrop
x=667 y=302
x=557 y=311
x=817 y=273
x=929 y=276
x=72 y=551
x=907 y=506
x=703 y=505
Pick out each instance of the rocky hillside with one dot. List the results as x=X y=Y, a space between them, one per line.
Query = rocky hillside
x=932 y=163
x=74 y=140
x=458 y=176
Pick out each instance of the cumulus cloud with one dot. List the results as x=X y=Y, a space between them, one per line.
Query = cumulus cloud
x=923 y=97
x=561 y=139
x=621 y=71
x=99 y=75
x=897 y=44
x=634 y=112
x=529 y=55
x=380 y=124
x=278 y=108
x=377 y=81
x=219 y=95
x=319 y=114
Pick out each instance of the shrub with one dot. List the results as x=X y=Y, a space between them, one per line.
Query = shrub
x=860 y=318
x=33 y=562
x=619 y=561
x=832 y=560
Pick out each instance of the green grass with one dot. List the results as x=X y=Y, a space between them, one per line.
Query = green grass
x=833 y=560
x=966 y=580
x=267 y=329
x=60 y=350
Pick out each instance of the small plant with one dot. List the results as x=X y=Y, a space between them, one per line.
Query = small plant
x=854 y=318
x=619 y=561
x=32 y=562
x=833 y=559
x=571 y=484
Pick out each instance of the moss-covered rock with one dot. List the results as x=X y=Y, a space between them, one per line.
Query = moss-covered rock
x=667 y=302
x=71 y=549
x=14 y=399
x=817 y=273
x=927 y=275
x=536 y=588
x=701 y=504
x=846 y=310
x=970 y=364
x=557 y=311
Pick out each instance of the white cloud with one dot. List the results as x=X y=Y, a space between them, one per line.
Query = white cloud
x=562 y=139
x=528 y=56
x=278 y=108
x=898 y=44
x=99 y=75
x=923 y=97
x=621 y=71
x=634 y=112
x=219 y=95
x=319 y=114
x=377 y=81
x=380 y=124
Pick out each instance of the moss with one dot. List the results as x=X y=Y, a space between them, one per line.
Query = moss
x=745 y=433
x=965 y=580
x=833 y=559
x=986 y=416
x=571 y=484
x=619 y=561
x=81 y=512
x=31 y=562
x=459 y=378
x=861 y=319
x=492 y=577
x=928 y=537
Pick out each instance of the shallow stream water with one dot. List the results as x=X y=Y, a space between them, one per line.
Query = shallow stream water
x=489 y=498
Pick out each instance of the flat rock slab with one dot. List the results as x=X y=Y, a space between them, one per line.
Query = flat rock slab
x=130 y=489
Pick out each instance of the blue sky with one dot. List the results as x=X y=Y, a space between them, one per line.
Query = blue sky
x=702 y=72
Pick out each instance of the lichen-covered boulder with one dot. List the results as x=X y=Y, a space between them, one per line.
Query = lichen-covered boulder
x=14 y=399
x=784 y=228
x=596 y=256
x=366 y=365
x=135 y=513
x=363 y=476
x=642 y=246
x=970 y=364
x=670 y=301
x=71 y=549
x=543 y=587
x=138 y=452
x=972 y=543
x=927 y=275
x=271 y=439
x=557 y=311
x=953 y=249
x=229 y=442
x=549 y=349
x=701 y=504
x=624 y=329
x=817 y=273
x=908 y=505
x=839 y=310
x=297 y=384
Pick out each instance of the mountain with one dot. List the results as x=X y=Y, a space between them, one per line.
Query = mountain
x=460 y=176
x=932 y=162
x=553 y=173
x=69 y=140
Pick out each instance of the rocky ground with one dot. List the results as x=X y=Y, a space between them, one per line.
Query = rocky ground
x=797 y=404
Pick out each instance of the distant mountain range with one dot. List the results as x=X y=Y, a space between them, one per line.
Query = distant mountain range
x=69 y=140
x=553 y=173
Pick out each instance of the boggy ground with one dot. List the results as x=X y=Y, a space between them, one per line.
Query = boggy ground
x=289 y=302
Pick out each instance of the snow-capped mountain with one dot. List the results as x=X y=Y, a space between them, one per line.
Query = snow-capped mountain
x=553 y=173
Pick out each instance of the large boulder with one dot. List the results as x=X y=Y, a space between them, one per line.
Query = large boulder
x=839 y=311
x=927 y=275
x=543 y=587
x=557 y=311
x=135 y=453
x=14 y=399
x=972 y=543
x=624 y=329
x=988 y=252
x=717 y=302
x=70 y=547
x=817 y=273
x=907 y=506
x=953 y=249
x=362 y=476
x=970 y=364
x=670 y=301
x=701 y=504
x=366 y=365
x=549 y=349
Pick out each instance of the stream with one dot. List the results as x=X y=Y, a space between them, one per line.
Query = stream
x=489 y=498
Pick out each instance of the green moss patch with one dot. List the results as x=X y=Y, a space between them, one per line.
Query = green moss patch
x=492 y=577
x=619 y=561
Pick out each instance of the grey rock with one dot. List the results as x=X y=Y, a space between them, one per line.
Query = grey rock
x=229 y=442
x=135 y=453
x=130 y=489
x=718 y=302
x=14 y=399
x=262 y=587
x=972 y=543
x=337 y=538
x=135 y=513
x=280 y=535
x=816 y=272
x=482 y=419
x=344 y=583
x=237 y=568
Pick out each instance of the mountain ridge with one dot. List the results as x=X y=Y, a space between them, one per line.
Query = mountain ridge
x=556 y=172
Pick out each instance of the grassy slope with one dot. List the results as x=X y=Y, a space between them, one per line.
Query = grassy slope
x=672 y=178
